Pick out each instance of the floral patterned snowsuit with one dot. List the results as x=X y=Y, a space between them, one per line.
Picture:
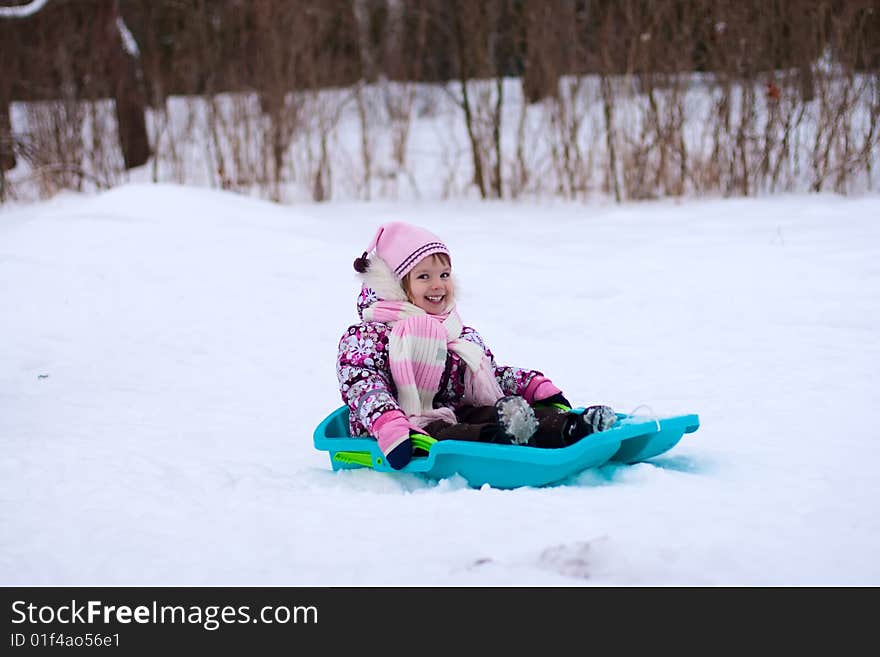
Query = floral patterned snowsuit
x=364 y=373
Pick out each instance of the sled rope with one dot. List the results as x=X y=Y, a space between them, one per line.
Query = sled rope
x=651 y=413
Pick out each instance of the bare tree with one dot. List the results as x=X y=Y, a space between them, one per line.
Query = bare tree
x=7 y=145
x=480 y=36
x=111 y=49
x=128 y=89
x=633 y=99
x=23 y=11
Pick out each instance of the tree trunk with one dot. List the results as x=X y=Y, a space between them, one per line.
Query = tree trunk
x=129 y=97
x=540 y=77
x=130 y=110
x=463 y=68
x=7 y=154
x=807 y=82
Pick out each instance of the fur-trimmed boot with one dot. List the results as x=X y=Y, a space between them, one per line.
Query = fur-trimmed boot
x=599 y=418
x=561 y=429
x=516 y=420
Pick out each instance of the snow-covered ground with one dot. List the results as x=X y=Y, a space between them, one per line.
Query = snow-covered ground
x=166 y=353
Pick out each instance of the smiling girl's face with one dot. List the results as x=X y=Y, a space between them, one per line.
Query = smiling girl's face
x=429 y=284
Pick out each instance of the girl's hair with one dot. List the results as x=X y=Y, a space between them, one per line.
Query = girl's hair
x=406 y=282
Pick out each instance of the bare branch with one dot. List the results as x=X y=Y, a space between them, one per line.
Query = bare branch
x=24 y=10
x=128 y=40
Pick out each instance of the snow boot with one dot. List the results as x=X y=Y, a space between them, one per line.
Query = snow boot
x=559 y=429
x=516 y=420
x=581 y=425
x=599 y=418
x=562 y=429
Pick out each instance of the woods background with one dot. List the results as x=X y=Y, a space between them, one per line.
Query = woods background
x=299 y=99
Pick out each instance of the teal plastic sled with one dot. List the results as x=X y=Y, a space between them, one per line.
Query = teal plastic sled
x=631 y=440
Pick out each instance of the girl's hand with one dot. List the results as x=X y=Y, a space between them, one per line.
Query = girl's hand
x=394 y=433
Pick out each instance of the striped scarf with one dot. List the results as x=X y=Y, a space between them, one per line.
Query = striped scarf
x=417 y=351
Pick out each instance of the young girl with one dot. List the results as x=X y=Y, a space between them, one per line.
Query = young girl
x=411 y=367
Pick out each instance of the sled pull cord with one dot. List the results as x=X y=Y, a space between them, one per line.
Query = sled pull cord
x=651 y=413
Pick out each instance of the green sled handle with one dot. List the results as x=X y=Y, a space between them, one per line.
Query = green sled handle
x=365 y=459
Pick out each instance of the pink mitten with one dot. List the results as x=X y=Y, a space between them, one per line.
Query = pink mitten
x=392 y=431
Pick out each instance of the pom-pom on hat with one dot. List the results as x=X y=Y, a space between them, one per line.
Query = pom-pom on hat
x=402 y=246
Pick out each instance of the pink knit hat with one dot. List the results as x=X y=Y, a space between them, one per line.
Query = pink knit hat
x=402 y=246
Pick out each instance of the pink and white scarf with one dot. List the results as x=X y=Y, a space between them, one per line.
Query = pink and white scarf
x=417 y=351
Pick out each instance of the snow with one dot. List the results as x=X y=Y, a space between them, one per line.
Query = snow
x=128 y=40
x=166 y=353
x=23 y=11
